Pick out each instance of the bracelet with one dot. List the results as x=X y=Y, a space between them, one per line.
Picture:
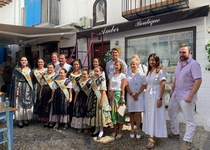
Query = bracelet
x=131 y=93
x=122 y=96
x=160 y=98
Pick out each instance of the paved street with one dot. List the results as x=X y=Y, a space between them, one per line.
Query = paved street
x=36 y=137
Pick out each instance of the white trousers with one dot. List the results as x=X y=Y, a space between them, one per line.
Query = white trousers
x=188 y=110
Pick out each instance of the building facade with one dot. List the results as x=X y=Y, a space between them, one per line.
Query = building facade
x=134 y=27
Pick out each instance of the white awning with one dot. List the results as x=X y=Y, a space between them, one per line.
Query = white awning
x=11 y=34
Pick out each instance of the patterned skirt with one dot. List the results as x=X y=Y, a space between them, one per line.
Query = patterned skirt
x=94 y=115
x=115 y=102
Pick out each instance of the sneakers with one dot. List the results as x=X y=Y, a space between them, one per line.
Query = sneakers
x=186 y=146
x=174 y=136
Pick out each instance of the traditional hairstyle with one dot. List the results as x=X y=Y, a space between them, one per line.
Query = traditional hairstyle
x=99 y=62
x=100 y=68
x=77 y=60
x=85 y=70
x=51 y=64
x=63 y=70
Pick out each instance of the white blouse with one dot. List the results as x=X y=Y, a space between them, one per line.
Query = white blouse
x=115 y=81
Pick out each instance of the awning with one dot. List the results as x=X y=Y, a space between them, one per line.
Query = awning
x=11 y=34
x=148 y=22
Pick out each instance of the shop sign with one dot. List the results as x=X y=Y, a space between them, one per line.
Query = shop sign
x=148 y=22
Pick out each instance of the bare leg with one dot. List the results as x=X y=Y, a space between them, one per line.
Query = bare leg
x=132 y=120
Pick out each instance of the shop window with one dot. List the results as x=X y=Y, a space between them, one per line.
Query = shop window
x=164 y=44
x=99 y=12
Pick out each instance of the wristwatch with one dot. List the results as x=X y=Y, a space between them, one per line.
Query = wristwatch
x=160 y=98
x=131 y=93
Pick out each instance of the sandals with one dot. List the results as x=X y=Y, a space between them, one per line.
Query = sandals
x=151 y=143
x=138 y=135
x=118 y=136
x=132 y=135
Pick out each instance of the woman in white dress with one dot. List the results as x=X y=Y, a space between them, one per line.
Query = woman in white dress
x=154 y=116
x=136 y=83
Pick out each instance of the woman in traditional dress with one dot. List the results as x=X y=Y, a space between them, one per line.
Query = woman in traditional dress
x=117 y=82
x=45 y=94
x=38 y=72
x=136 y=83
x=96 y=63
x=22 y=95
x=80 y=101
x=74 y=76
x=98 y=108
x=61 y=97
x=154 y=116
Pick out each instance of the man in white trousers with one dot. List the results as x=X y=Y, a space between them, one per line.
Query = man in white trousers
x=184 y=95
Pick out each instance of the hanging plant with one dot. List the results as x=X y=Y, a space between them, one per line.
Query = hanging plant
x=107 y=56
x=208 y=56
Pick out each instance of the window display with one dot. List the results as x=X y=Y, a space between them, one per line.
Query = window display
x=164 y=44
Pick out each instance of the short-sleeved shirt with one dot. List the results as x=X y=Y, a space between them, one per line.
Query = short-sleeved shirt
x=102 y=86
x=185 y=78
x=115 y=81
x=110 y=66
x=66 y=66
x=135 y=81
x=141 y=68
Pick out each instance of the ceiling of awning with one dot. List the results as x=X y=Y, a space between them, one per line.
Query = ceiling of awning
x=4 y=2
x=12 y=34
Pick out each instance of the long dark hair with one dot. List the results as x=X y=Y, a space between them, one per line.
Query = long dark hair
x=157 y=60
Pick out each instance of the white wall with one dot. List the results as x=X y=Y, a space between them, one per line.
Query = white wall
x=11 y=14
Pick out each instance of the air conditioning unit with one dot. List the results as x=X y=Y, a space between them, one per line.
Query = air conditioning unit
x=88 y=23
x=82 y=21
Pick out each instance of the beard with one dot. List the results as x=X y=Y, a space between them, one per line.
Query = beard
x=183 y=58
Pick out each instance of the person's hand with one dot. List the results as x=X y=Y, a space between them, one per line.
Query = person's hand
x=17 y=93
x=135 y=96
x=188 y=99
x=40 y=96
x=50 y=100
x=100 y=105
x=122 y=101
x=111 y=93
x=159 y=103
x=171 y=92
x=70 y=100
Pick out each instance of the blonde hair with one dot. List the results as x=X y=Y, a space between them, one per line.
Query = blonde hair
x=122 y=68
x=135 y=60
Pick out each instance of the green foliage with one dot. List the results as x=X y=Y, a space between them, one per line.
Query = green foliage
x=107 y=56
x=208 y=56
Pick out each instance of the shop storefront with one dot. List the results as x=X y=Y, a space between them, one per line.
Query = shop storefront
x=162 y=35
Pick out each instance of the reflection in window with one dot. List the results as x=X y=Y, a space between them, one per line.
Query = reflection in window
x=164 y=45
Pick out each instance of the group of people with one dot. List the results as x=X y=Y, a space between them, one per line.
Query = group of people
x=81 y=98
